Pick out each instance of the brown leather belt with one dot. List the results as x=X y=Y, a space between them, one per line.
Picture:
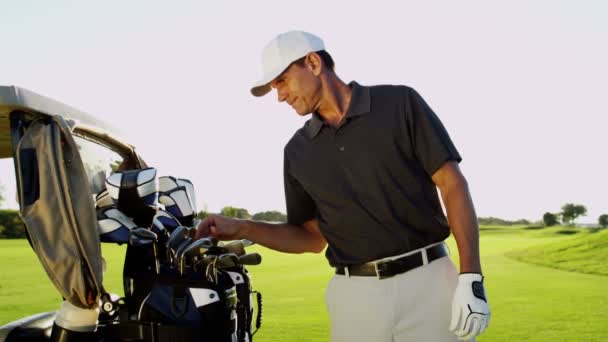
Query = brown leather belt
x=390 y=268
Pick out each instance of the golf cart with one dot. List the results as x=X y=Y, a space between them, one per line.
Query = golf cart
x=78 y=185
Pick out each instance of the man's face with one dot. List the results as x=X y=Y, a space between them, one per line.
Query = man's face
x=299 y=87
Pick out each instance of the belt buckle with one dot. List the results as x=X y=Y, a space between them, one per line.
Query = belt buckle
x=381 y=267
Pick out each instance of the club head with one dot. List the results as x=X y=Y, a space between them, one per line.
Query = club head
x=144 y=233
x=196 y=223
x=179 y=250
x=208 y=242
x=227 y=260
x=158 y=227
x=137 y=241
x=235 y=247
x=197 y=248
x=203 y=264
x=192 y=232
x=179 y=254
x=176 y=237
x=193 y=253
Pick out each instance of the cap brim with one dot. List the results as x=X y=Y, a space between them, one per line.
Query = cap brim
x=261 y=90
x=262 y=87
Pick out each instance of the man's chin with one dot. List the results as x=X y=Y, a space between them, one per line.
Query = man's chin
x=302 y=112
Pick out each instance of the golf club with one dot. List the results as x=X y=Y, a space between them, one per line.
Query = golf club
x=250 y=259
x=179 y=252
x=139 y=237
x=195 y=249
x=196 y=223
x=176 y=237
x=237 y=247
x=227 y=260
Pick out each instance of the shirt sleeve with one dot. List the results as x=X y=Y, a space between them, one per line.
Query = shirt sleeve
x=431 y=143
x=300 y=206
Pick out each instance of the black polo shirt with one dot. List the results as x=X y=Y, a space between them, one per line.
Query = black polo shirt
x=368 y=181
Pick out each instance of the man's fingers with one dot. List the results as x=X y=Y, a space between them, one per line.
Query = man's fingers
x=461 y=327
x=203 y=228
x=456 y=313
x=472 y=329
x=483 y=324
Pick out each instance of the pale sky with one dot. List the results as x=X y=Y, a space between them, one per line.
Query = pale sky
x=520 y=86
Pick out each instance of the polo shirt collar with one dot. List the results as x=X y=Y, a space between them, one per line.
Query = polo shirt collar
x=360 y=103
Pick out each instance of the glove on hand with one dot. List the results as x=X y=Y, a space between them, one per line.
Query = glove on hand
x=470 y=309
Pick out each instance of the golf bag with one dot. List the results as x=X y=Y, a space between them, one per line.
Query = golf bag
x=244 y=306
x=173 y=292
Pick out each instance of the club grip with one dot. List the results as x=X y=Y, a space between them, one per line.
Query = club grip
x=250 y=259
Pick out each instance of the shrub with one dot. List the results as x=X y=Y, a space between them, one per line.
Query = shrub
x=550 y=219
x=12 y=225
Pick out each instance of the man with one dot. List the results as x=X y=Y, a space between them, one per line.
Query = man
x=361 y=177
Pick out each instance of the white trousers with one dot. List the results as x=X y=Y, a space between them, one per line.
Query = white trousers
x=412 y=306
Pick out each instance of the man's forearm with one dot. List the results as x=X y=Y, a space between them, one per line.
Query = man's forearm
x=283 y=237
x=463 y=223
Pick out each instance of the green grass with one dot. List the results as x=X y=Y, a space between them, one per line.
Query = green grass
x=529 y=302
x=536 y=303
x=580 y=254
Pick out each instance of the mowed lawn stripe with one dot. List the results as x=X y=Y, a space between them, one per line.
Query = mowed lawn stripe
x=579 y=254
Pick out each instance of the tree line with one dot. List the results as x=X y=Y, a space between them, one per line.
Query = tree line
x=242 y=213
x=568 y=215
x=12 y=227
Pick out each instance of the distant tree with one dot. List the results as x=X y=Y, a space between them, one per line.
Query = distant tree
x=492 y=221
x=521 y=222
x=550 y=219
x=495 y=221
x=203 y=213
x=12 y=225
x=235 y=212
x=273 y=216
x=603 y=220
x=571 y=211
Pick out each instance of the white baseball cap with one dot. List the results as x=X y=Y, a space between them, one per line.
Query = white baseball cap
x=283 y=50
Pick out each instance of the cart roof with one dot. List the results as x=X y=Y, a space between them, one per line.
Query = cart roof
x=15 y=98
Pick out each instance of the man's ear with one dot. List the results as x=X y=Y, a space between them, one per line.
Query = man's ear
x=313 y=63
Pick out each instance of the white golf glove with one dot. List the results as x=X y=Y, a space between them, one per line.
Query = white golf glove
x=470 y=309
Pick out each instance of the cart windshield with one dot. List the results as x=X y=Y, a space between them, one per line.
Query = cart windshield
x=99 y=162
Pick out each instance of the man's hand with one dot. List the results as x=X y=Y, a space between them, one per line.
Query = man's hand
x=470 y=309
x=221 y=227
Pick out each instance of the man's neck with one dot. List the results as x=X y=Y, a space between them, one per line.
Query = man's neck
x=335 y=101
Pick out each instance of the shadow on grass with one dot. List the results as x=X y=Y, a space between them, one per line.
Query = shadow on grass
x=567 y=232
x=534 y=227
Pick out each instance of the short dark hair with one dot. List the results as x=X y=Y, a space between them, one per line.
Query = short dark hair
x=326 y=58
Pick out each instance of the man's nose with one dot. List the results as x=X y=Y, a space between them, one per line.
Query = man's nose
x=281 y=95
